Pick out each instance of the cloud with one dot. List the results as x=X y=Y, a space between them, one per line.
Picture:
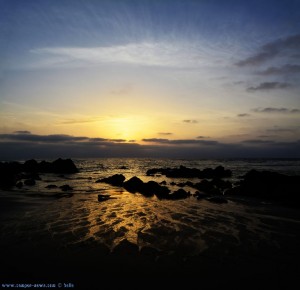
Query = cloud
x=98 y=139
x=165 y=133
x=275 y=110
x=57 y=138
x=156 y=140
x=117 y=140
x=79 y=121
x=190 y=121
x=149 y=53
x=258 y=141
x=269 y=86
x=202 y=137
x=66 y=146
x=282 y=130
x=243 y=115
x=181 y=141
x=286 y=69
x=41 y=138
x=287 y=47
x=22 y=132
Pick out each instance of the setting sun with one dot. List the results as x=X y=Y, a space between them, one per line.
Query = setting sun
x=126 y=128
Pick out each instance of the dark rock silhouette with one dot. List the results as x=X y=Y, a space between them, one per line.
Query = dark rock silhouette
x=65 y=187
x=134 y=185
x=207 y=187
x=29 y=182
x=12 y=172
x=179 y=194
x=31 y=166
x=126 y=248
x=148 y=189
x=116 y=180
x=64 y=166
x=201 y=195
x=104 y=197
x=51 y=186
x=153 y=188
x=123 y=167
x=269 y=185
x=184 y=172
x=19 y=184
x=217 y=199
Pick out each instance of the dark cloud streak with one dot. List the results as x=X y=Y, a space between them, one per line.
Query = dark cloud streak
x=266 y=86
x=283 y=70
x=20 y=146
x=276 y=110
x=288 y=46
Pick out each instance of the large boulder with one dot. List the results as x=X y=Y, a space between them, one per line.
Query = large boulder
x=269 y=185
x=64 y=166
x=116 y=180
x=134 y=185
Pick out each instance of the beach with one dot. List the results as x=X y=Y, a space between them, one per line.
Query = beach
x=129 y=238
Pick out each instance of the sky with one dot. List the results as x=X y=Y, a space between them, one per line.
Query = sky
x=149 y=78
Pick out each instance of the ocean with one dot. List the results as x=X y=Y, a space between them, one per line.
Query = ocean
x=37 y=219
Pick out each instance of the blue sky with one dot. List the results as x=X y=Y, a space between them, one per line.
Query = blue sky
x=162 y=75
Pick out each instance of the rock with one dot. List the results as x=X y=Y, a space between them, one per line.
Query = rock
x=51 y=186
x=29 y=182
x=126 y=248
x=19 y=184
x=65 y=187
x=269 y=185
x=163 y=182
x=217 y=199
x=200 y=195
x=31 y=166
x=153 y=188
x=103 y=197
x=64 y=166
x=123 y=167
x=116 y=180
x=184 y=172
x=207 y=187
x=9 y=173
x=179 y=194
x=134 y=185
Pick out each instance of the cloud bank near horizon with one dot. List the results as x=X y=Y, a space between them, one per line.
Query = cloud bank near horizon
x=59 y=145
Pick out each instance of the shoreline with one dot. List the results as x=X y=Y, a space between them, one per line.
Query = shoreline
x=231 y=261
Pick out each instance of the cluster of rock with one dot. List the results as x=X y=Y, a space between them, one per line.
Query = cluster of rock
x=12 y=173
x=267 y=185
x=184 y=172
x=147 y=189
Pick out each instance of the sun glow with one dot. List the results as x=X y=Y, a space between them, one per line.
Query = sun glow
x=127 y=128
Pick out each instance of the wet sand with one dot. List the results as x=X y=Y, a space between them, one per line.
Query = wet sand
x=135 y=241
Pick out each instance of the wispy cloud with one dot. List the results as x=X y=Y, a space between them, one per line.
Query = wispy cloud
x=181 y=141
x=282 y=70
x=266 y=86
x=202 y=137
x=275 y=110
x=41 y=138
x=79 y=121
x=190 y=121
x=243 y=115
x=165 y=133
x=257 y=141
x=55 y=138
x=287 y=47
x=282 y=130
x=22 y=132
x=144 y=53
